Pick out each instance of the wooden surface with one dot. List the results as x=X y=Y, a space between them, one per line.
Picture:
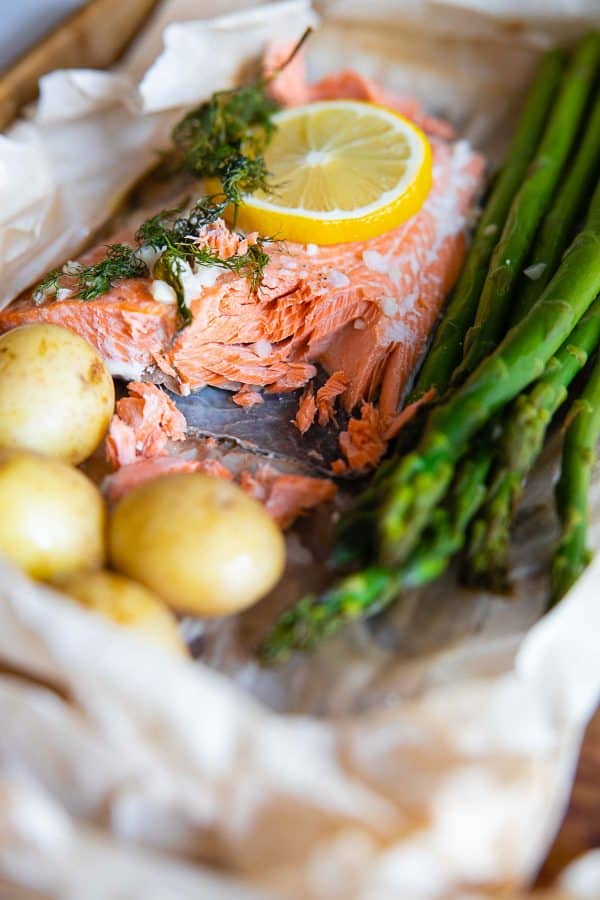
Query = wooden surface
x=85 y=40
x=94 y=36
x=580 y=830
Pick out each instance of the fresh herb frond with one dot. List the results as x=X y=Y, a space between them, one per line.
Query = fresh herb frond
x=173 y=236
x=48 y=286
x=226 y=136
x=120 y=262
x=243 y=175
x=185 y=250
x=257 y=261
x=151 y=233
x=182 y=252
x=89 y=282
x=169 y=268
x=250 y=265
x=293 y=53
x=204 y=212
x=170 y=224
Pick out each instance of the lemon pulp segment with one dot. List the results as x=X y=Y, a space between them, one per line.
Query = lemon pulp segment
x=340 y=170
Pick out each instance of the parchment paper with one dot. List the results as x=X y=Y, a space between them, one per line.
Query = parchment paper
x=426 y=755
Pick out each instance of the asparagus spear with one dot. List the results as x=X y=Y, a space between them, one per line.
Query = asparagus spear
x=526 y=425
x=355 y=533
x=560 y=221
x=355 y=539
x=421 y=478
x=446 y=349
x=371 y=590
x=450 y=522
x=529 y=206
x=579 y=453
x=315 y=618
x=524 y=431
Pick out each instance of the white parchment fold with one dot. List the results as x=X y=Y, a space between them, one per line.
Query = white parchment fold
x=455 y=778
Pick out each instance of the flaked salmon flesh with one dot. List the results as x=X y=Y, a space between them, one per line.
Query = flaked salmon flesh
x=363 y=311
x=143 y=425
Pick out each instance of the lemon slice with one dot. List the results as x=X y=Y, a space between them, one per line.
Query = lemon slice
x=340 y=170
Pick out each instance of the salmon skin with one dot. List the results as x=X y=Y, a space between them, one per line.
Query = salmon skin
x=267 y=428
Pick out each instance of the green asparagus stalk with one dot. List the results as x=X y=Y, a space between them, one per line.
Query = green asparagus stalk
x=526 y=425
x=355 y=533
x=315 y=618
x=525 y=428
x=354 y=540
x=447 y=533
x=529 y=206
x=572 y=490
x=560 y=221
x=374 y=588
x=446 y=349
x=422 y=477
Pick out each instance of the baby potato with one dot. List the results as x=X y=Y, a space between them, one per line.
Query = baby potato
x=127 y=603
x=56 y=394
x=52 y=518
x=201 y=543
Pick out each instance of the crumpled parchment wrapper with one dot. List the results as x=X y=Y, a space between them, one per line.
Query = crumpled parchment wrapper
x=426 y=755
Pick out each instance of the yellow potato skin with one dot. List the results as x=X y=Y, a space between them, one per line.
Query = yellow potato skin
x=56 y=394
x=52 y=518
x=200 y=543
x=127 y=603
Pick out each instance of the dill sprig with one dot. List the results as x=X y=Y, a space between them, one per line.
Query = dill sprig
x=171 y=225
x=174 y=236
x=120 y=262
x=88 y=282
x=226 y=136
x=48 y=286
x=174 y=239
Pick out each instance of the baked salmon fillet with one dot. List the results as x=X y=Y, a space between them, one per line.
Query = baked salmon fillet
x=363 y=312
